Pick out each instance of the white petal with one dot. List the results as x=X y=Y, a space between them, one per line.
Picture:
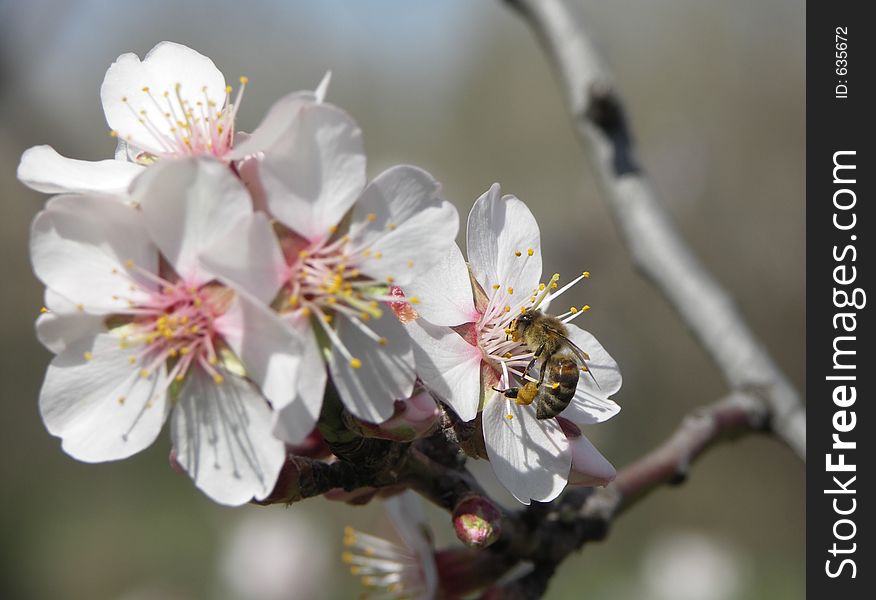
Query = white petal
x=188 y=206
x=168 y=67
x=102 y=408
x=589 y=466
x=268 y=347
x=405 y=225
x=448 y=365
x=249 y=257
x=387 y=371
x=44 y=170
x=64 y=324
x=444 y=291
x=294 y=422
x=498 y=229
x=591 y=403
x=275 y=125
x=409 y=519
x=222 y=436
x=530 y=457
x=80 y=246
x=315 y=171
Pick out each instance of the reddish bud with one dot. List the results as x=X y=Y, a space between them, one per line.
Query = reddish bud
x=477 y=521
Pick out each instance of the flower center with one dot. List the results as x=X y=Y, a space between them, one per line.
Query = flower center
x=180 y=122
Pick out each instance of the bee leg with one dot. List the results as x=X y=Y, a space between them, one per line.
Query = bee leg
x=542 y=372
x=508 y=393
x=532 y=362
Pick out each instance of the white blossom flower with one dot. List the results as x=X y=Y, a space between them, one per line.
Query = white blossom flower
x=331 y=282
x=141 y=330
x=389 y=570
x=174 y=103
x=464 y=352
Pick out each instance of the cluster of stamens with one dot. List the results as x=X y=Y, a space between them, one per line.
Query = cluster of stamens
x=173 y=325
x=182 y=126
x=386 y=569
x=495 y=333
x=325 y=282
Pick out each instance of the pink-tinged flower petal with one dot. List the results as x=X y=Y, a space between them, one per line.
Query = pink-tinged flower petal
x=385 y=372
x=591 y=403
x=313 y=174
x=222 y=436
x=44 y=170
x=99 y=404
x=188 y=206
x=168 y=67
x=249 y=257
x=89 y=250
x=501 y=232
x=589 y=466
x=295 y=421
x=409 y=519
x=63 y=324
x=269 y=348
x=403 y=223
x=274 y=125
x=444 y=291
x=531 y=457
x=448 y=365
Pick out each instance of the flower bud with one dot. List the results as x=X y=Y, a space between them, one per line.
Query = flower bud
x=413 y=418
x=477 y=521
x=403 y=309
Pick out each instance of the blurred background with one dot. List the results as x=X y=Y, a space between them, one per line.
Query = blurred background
x=459 y=87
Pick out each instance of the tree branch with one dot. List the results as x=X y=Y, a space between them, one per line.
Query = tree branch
x=655 y=245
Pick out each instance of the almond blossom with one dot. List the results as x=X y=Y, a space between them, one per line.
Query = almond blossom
x=464 y=353
x=332 y=282
x=173 y=104
x=143 y=332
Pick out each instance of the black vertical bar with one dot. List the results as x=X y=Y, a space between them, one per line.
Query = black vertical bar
x=840 y=226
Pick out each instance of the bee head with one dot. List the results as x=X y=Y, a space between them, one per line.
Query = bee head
x=518 y=326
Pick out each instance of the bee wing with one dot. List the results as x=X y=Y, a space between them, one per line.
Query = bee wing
x=579 y=354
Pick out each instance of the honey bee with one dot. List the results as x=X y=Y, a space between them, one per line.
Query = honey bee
x=548 y=339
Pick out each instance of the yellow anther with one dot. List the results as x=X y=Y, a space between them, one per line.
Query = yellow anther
x=350 y=532
x=507 y=355
x=333 y=229
x=197 y=302
x=144 y=373
x=518 y=253
x=331 y=300
x=327 y=318
x=303 y=253
x=228 y=89
x=586 y=274
x=347 y=557
x=132 y=360
x=391 y=226
x=365 y=316
x=573 y=310
x=121 y=400
x=553 y=286
x=355 y=363
x=124 y=98
x=530 y=251
x=87 y=355
x=414 y=300
x=378 y=255
x=80 y=307
x=293 y=300
x=508 y=331
x=129 y=264
x=496 y=286
x=584 y=369
x=509 y=417
x=371 y=217
x=212 y=360
x=354 y=273
x=507 y=308
x=146 y=88
x=382 y=341
x=43 y=310
x=410 y=264
x=173 y=352
x=555 y=386
x=540 y=287
x=510 y=290
x=218 y=379
x=305 y=312
x=179 y=377
x=585 y=308
x=113 y=133
x=354 y=570
x=185 y=350
x=244 y=80
x=522 y=310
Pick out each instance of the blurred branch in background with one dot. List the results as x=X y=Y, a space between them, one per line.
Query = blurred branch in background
x=657 y=249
